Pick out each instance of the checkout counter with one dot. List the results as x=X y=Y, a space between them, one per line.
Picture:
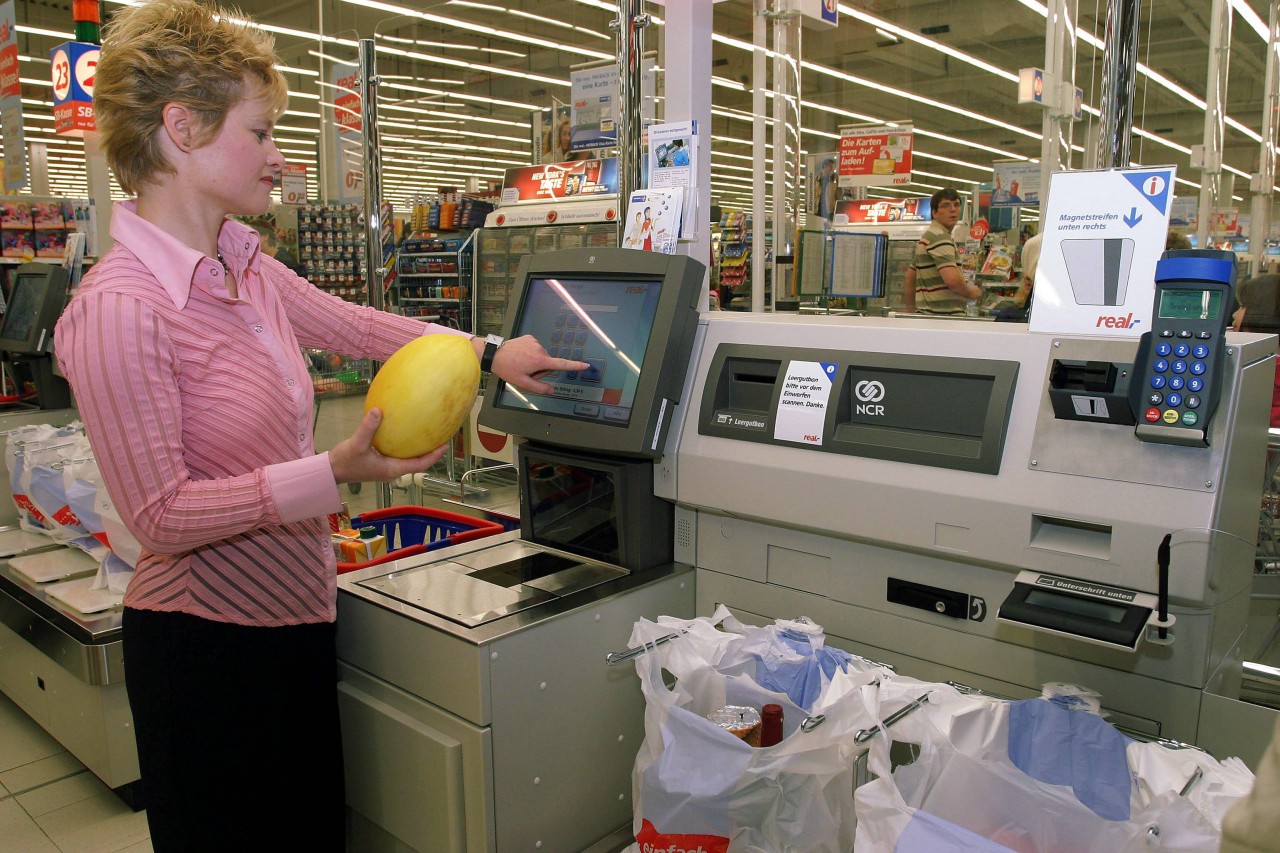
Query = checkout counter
x=967 y=502
x=63 y=667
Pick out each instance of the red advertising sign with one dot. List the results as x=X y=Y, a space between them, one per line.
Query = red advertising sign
x=9 y=86
x=346 y=104
x=560 y=181
x=875 y=156
x=882 y=210
x=979 y=229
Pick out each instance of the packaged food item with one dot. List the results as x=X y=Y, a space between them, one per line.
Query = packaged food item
x=739 y=720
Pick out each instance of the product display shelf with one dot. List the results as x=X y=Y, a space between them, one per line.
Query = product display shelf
x=498 y=254
x=433 y=279
x=733 y=261
x=331 y=249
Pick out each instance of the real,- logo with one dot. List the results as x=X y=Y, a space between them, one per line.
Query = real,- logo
x=1106 y=321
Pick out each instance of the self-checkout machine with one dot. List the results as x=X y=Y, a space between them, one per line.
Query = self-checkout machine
x=997 y=506
x=478 y=712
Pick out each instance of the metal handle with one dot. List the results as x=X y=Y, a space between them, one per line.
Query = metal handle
x=1191 y=783
x=865 y=735
x=614 y=658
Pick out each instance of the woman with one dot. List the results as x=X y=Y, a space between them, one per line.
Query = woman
x=182 y=347
x=1259 y=311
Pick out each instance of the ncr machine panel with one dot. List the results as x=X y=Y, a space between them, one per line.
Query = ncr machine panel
x=921 y=409
x=904 y=540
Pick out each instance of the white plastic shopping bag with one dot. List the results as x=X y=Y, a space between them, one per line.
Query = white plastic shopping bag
x=1032 y=776
x=698 y=787
x=21 y=444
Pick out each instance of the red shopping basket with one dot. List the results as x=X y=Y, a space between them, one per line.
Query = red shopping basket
x=417 y=529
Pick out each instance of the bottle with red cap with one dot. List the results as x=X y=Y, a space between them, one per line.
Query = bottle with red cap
x=770 y=724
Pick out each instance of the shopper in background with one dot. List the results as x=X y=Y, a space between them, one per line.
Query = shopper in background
x=1020 y=311
x=182 y=347
x=1176 y=240
x=1253 y=824
x=1259 y=311
x=270 y=243
x=934 y=283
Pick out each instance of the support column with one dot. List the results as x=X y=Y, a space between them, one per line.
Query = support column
x=786 y=146
x=687 y=47
x=1214 y=120
x=1119 y=77
x=759 y=146
x=99 y=182
x=38 y=165
x=1264 y=180
x=632 y=21
x=1058 y=122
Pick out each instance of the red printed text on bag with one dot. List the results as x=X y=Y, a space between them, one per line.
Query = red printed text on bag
x=652 y=841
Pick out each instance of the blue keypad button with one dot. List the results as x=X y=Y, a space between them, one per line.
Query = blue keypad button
x=1198 y=368
x=1201 y=351
x=1174 y=398
x=1194 y=384
x=1163 y=349
x=1176 y=382
x=1161 y=365
x=1179 y=366
x=1157 y=381
x=1182 y=350
x=1155 y=398
x=1193 y=401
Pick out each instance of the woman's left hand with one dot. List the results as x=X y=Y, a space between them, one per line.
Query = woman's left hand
x=520 y=361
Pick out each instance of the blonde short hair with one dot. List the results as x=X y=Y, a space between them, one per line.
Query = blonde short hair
x=175 y=51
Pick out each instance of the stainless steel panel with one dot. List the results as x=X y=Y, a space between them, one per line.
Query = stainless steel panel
x=445 y=589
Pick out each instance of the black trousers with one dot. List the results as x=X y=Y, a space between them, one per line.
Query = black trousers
x=237 y=731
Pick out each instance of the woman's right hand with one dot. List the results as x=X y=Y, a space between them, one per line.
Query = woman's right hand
x=356 y=461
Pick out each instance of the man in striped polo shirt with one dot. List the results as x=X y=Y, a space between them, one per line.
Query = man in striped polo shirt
x=934 y=283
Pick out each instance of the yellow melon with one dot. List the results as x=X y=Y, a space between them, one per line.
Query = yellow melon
x=425 y=391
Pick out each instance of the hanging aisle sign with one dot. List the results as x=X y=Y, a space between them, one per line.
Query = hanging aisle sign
x=75 y=65
x=876 y=156
x=1103 y=233
x=11 y=125
x=348 y=130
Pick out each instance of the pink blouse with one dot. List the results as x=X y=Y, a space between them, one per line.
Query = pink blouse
x=199 y=410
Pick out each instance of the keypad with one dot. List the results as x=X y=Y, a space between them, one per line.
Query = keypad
x=1178 y=366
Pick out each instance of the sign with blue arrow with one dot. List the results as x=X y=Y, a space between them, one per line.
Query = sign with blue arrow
x=1103 y=233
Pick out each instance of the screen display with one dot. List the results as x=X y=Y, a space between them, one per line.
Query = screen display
x=1177 y=304
x=24 y=304
x=574 y=508
x=604 y=322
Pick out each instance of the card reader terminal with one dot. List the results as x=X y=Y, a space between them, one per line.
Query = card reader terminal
x=1179 y=362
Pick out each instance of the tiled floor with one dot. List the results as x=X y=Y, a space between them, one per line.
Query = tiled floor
x=49 y=801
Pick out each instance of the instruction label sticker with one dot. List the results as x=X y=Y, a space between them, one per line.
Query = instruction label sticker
x=802 y=408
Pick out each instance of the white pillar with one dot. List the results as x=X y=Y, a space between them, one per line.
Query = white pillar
x=38 y=166
x=759 y=127
x=1264 y=180
x=99 y=180
x=1214 y=119
x=687 y=46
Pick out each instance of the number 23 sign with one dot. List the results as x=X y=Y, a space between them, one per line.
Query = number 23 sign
x=75 y=64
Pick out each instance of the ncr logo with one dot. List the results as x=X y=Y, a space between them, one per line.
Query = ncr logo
x=869 y=393
x=1116 y=322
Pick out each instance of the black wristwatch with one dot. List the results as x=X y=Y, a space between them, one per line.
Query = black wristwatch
x=491 y=344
